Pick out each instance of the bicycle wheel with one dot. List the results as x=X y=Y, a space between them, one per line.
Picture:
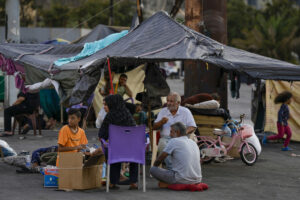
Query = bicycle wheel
x=201 y=146
x=248 y=156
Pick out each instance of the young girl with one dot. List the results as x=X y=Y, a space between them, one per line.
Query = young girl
x=282 y=124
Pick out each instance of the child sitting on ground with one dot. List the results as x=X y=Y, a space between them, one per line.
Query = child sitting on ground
x=140 y=116
x=284 y=98
x=71 y=137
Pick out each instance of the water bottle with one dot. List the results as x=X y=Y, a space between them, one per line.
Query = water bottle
x=28 y=159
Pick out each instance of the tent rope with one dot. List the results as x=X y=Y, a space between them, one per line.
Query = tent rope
x=39 y=53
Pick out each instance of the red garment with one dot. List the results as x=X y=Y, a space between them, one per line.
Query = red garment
x=281 y=131
x=198 y=98
x=190 y=187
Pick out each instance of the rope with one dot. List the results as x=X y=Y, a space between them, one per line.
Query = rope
x=88 y=112
x=100 y=12
x=39 y=53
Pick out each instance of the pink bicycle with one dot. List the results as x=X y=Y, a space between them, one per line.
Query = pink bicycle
x=211 y=148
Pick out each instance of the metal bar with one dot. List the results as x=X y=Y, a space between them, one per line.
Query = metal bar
x=107 y=178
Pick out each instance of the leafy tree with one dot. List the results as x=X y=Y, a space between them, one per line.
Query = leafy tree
x=2 y=12
x=56 y=16
x=273 y=37
x=239 y=16
x=88 y=14
x=274 y=32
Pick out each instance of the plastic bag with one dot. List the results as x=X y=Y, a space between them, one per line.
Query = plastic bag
x=6 y=149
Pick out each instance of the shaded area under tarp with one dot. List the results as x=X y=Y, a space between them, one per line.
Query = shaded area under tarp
x=158 y=39
x=49 y=101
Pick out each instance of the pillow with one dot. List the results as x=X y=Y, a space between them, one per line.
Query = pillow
x=190 y=187
x=212 y=104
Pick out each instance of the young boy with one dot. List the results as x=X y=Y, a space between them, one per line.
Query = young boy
x=140 y=116
x=71 y=137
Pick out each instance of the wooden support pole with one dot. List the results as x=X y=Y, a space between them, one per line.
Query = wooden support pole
x=207 y=17
x=150 y=126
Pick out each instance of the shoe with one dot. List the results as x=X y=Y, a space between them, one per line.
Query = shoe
x=219 y=160
x=264 y=140
x=114 y=187
x=286 y=149
x=133 y=187
x=22 y=137
x=228 y=158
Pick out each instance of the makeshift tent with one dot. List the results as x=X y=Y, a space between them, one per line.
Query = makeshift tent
x=134 y=82
x=273 y=88
x=157 y=39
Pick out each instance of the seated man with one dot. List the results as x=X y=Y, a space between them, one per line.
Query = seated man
x=171 y=114
x=25 y=104
x=185 y=156
x=71 y=137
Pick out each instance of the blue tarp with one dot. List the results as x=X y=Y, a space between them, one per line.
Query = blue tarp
x=92 y=47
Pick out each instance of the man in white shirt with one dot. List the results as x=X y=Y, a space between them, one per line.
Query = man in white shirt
x=185 y=156
x=171 y=114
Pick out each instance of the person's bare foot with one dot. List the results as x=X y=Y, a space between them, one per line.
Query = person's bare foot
x=6 y=134
x=163 y=184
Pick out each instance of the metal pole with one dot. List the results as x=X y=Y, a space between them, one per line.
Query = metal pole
x=12 y=9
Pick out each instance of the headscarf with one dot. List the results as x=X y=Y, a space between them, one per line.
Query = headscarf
x=118 y=115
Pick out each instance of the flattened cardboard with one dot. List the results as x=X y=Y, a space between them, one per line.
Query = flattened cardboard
x=234 y=151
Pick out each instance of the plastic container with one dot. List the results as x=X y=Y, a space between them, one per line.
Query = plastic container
x=28 y=161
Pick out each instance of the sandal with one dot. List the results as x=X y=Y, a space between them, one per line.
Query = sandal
x=114 y=187
x=5 y=135
x=133 y=187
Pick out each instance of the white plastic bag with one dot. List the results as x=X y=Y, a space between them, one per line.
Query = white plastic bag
x=6 y=149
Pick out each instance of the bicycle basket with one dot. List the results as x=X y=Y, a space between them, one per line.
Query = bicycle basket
x=247 y=131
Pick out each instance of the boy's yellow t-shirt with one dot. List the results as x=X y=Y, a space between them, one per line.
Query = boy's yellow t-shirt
x=67 y=138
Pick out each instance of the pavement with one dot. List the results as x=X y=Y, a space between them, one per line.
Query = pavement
x=276 y=175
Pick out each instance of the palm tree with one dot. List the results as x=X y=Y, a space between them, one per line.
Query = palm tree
x=273 y=37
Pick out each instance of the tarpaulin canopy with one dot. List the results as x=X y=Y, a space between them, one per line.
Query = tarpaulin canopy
x=98 y=33
x=157 y=39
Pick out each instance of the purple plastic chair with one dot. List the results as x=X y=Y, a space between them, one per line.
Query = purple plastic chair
x=126 y=144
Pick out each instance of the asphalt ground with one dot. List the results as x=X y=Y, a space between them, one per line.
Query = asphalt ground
x=276 y=175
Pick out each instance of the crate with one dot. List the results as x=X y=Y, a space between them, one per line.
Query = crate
x=206 y=124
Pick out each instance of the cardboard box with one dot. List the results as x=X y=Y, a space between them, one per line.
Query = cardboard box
x=51 y=177
x=234 y=151
x=74 y=173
